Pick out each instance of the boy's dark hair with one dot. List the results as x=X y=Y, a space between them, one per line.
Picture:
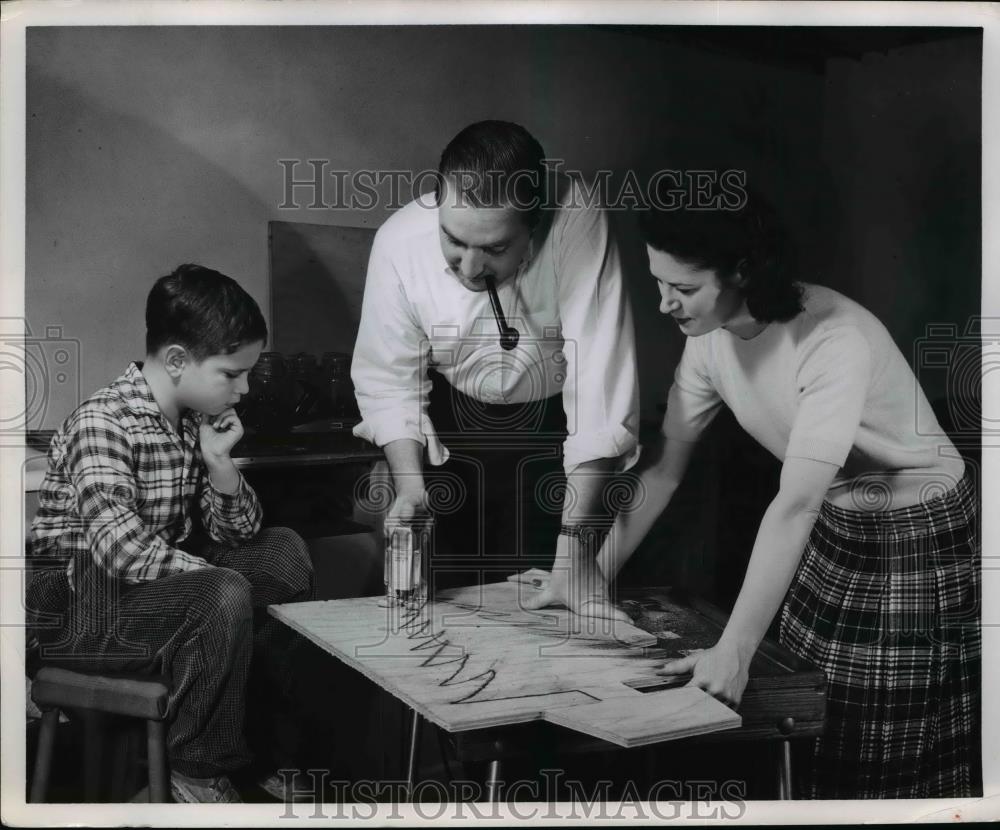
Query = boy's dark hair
x=496 y=163
x=202 y=310
x=747 y=239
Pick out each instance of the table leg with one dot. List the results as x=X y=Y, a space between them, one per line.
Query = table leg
x=411 y=766
x=492 y=779
x=785 y=771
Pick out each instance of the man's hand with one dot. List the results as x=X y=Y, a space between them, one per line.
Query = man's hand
x=218 y=434
x=722 y=671
x=408 y=506
x=532 y=576
x=575 y=584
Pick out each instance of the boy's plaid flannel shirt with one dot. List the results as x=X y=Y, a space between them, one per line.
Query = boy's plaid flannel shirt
x=123 y=486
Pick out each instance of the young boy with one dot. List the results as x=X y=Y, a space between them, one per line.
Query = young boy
x=137 y=474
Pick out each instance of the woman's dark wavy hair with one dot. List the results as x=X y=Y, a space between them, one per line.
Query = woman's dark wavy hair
x=202 y=310
x=747 y=239
x=500 y=163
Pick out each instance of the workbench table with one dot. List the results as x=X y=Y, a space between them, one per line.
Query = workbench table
x=501 y=681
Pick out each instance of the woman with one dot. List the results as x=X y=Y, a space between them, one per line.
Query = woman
x=871 y=538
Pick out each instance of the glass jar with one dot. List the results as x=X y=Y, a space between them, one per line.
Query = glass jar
x=338 y=392
x=270 y=402
x=303 y=370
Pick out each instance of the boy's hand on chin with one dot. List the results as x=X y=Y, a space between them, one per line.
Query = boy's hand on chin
x=218 y=434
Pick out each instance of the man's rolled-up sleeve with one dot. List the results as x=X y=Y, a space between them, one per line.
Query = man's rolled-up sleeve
x=389 y=365
x=601 y=391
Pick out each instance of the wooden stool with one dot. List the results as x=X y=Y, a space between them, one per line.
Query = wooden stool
x=54 y=689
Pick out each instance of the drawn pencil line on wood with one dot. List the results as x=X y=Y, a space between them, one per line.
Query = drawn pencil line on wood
x=414 y=619
x=539 y=620
x=553 y=693
x=419 y=623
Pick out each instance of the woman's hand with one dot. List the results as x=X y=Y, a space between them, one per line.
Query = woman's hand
x=722 y=671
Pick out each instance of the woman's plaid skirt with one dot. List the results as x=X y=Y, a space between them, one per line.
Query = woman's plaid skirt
x=888 y=605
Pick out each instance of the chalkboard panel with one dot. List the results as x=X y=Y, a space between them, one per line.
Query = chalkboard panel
x=317 y=285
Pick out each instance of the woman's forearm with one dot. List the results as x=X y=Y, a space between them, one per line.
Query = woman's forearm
x=777 y=550
x=656 y=485
x=633 y=523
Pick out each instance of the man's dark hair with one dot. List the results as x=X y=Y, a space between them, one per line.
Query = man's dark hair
x=202 y=310
x=496 y=163
x=747 y=240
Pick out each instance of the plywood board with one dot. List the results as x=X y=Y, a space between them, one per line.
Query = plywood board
x=660 y=716
x=475 y=658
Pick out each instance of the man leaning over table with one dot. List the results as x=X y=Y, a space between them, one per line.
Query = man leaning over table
x=538 y=428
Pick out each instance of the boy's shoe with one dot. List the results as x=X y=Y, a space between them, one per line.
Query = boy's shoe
x=297 y=787
x=219 y=790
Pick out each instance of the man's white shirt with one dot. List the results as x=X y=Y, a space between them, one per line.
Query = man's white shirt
x=567 y=300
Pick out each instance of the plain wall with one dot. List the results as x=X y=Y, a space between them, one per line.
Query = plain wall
x=148 y=147
x=902 y=142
